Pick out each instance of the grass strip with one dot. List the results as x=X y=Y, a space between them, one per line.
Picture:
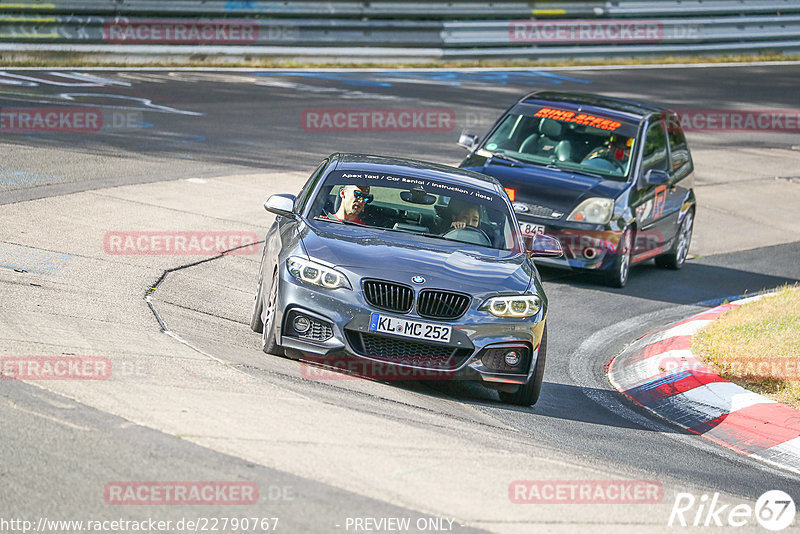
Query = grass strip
x=758 y=346
x=77 y=60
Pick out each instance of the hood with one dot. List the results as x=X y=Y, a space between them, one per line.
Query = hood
x=397 y=256
x=557 y=189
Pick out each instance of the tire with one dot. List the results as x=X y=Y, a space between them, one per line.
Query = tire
x=268 y=338
x=676 y=257
x=618 y=273
x=528 y=394
x=256 y=324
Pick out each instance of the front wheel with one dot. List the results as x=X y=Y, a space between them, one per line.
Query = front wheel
x=675 y=258
x=619 y=270
x=256 y=324
x=269 y=343
x=528 y=394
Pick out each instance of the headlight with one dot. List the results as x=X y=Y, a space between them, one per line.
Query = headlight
x=593 y=210
x=515 y=306
x=315 y=273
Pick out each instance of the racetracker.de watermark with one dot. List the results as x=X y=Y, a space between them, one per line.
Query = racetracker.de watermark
x=600 y=242
x=378 y=120
x=55 y=368
x=180 y=243
x=585 y=492
x=737 y=120
x=762 y=369
x=586 y=31
x=55 y=119
x=181 y=31
x=67 y=120
x=180 y=493
x=353 y=369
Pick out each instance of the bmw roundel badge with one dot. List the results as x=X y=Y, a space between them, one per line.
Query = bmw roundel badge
x=418 y=280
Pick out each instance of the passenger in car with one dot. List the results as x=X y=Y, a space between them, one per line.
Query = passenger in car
x=467 y=216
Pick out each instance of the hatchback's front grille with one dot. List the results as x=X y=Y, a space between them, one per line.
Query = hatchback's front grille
x=389 y=295
x=536 y=210
x=402 y=352
x=436 y=304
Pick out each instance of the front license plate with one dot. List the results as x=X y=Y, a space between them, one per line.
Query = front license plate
x=413 y=329
x=528 y=229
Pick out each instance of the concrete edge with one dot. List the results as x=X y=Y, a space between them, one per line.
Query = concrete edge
x=659 y=372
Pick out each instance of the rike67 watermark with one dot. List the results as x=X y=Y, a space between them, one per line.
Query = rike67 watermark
x=774 y=510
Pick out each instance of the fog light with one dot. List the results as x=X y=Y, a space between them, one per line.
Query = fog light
x=301 y=324
x=512 y=358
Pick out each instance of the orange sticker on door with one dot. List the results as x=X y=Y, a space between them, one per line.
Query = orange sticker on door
x=660 y=201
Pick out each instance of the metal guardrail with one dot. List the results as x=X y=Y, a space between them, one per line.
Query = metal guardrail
x=622 y=32
x=302 y=32
x=611 y=51
x=373 y=30
x=669 y=8
x=288 y=32
x=435 y=9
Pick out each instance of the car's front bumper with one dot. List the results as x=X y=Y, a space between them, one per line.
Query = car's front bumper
x=586 y=246
x=347 y=315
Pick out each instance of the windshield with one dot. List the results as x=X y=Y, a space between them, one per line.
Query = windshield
x=418 y=206
x=569 y=140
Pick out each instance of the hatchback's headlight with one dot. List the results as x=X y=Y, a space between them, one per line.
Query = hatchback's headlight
x=316 y=274
x=593 y=210
x=513 y=306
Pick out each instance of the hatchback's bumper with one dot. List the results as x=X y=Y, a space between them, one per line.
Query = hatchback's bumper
x=586 y=247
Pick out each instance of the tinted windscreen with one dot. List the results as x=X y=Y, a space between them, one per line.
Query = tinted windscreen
x=571 y=140
x=416 y=205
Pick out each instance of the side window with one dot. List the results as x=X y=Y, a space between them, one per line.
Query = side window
x=677 y=143
x=655 y=155
x=505 y=134
x=302 y=198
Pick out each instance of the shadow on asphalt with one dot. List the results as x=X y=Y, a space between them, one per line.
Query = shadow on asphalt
x=557 y=401
x=706 y=281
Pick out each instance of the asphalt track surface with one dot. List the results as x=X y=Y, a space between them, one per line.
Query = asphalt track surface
x=200 y=124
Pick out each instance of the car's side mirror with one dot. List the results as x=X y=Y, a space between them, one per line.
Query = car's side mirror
x=468 y=141
x=545 y=246
x=656 y=177
x=282 y=205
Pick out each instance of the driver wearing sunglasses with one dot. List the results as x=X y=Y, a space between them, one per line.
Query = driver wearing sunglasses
x=354 y=199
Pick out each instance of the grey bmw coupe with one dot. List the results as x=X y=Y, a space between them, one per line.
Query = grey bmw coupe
x=416 y=270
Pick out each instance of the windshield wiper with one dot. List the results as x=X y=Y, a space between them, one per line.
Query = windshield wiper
x=555 y=165
x=503 y=157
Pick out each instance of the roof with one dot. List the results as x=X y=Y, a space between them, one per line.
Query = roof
x=416 y=168
x=620 y=105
